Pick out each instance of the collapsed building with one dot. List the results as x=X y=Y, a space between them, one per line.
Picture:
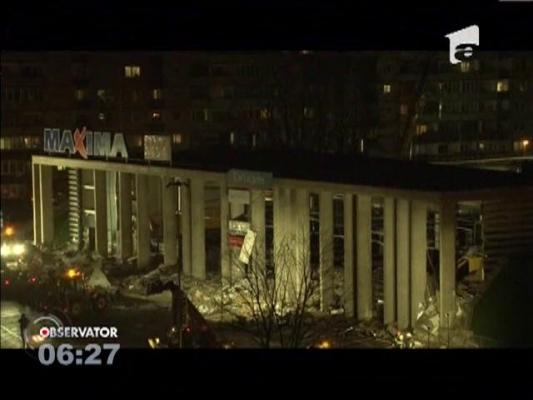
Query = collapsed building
x=371 y=219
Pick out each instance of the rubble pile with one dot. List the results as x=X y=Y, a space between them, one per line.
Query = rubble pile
x=428 y=318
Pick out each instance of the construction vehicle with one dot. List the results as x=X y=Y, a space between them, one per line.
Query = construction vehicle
x=12 y=249
x=61 y=290
x=189 y=328
x=67 y=290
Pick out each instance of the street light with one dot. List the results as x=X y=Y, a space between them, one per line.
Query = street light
x=178 y=303
x=177 y=182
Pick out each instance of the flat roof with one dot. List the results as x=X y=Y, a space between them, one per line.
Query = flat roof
x=356 y=170
x=350 y=169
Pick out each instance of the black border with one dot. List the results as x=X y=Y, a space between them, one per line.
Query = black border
x=246 y=25
x=262 y=25
x=252 y=373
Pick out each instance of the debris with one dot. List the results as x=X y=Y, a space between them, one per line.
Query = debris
x=459 y=312
x=99 y=279
x=392 y=330
x=204 y=309
x=346 y=331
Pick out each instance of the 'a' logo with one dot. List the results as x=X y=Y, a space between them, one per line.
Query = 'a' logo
x=78 y=142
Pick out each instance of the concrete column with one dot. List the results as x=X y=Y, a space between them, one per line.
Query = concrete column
x=111 y=204
x=125 y=215
x=143 y=222
x=418 y=257
x=199 y=269
x=100 y=208
x=185 y=203
x=403 y=211
x=281 y=232
x=447 y=262
x=169 y=195
x=47 y=204
x=349 y=257
x=258 y=226
x=389 y=260
x=364 y=257
x=36 y=187
x=225 y=251
x=301 y=232
x=277 y=217
x=154 y=205
x=327 y=271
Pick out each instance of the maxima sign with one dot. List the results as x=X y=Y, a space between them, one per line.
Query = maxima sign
x=84 y=142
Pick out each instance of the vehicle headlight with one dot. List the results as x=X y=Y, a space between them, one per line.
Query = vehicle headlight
x=6 y=250
x=18 y=249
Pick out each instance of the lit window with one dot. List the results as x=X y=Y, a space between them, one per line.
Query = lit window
x=502 y=86
x=387 y=88
x=176 y=138
x=481 y=146
x=222 y=92
x=156 y=94
x=421 y=129
x=403 y=109
x=465 y=66
x=102 y=94
x=309 y=112
x=232 y=137
x=80 y=94
x=156 y=116
x=132 y=71
x=264 y=113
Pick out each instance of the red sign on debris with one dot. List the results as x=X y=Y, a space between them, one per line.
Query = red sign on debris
x=235 y=241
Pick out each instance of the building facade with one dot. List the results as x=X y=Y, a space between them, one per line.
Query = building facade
x=433 y=110
x=114 y=202
x=198 y=99
x=412 y=104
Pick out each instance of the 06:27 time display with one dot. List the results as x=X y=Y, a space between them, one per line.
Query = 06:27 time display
x=65 y=354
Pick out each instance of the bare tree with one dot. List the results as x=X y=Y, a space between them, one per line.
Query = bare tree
x=277 y=304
